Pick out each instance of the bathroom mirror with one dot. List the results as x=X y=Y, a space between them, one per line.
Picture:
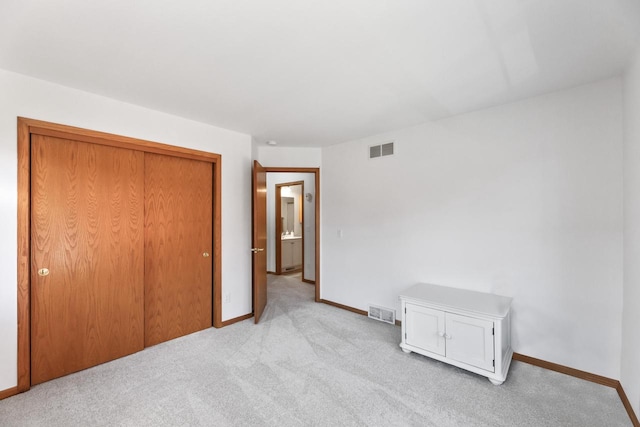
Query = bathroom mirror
x=288 y=214
x=291 y=200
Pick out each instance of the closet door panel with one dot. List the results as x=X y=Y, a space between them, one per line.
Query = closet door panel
x=87 y=222
x=178 y=247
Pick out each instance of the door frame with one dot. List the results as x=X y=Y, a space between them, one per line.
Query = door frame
x=28 y=127
x=278 y=224
x=316 y=172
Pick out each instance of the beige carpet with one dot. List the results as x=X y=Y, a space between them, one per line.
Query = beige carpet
x=305 y=364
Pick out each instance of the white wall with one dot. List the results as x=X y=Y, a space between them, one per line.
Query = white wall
x=523 y=200
x=27 y=97
x=308 y=212
x=630 y=374
x=254 y=149
x=288 y=156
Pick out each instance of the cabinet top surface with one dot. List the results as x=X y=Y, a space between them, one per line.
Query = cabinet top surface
x=461 y=299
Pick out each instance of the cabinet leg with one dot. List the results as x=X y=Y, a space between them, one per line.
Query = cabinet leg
x=495 y=382
x=406 y=351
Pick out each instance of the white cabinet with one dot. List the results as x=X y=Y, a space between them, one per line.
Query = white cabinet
x=291 y=253
x=468 y=329
x=297 y=253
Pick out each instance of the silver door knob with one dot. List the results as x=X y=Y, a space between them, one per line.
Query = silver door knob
x=255 y=250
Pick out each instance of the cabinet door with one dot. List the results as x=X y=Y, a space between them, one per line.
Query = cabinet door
x=297 y=252
x=424 y=327
x=470 y=341
x=287 y=254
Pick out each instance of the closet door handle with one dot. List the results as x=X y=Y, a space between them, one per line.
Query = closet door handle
x=255 y=250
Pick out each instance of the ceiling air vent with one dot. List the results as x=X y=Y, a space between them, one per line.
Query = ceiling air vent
x=381 y=150
x=382 y=314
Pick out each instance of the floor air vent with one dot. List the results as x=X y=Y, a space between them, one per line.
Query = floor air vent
x=382 y=314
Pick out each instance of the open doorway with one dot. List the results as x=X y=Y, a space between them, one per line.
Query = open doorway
x=302 y=228
x=289 y=227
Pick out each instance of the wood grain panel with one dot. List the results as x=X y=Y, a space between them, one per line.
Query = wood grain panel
x=8 y=392
x=278 y=228
x=24 y=256
x=178 y=230
x=598 y=379
x=217 y=244
x=259 y=239
x=102 y=138
x=237 y=319
x=87 y=229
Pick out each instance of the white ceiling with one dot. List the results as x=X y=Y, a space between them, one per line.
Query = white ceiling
x=314 y=73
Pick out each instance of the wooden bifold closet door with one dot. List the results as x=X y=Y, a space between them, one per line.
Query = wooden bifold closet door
x=121 y=252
